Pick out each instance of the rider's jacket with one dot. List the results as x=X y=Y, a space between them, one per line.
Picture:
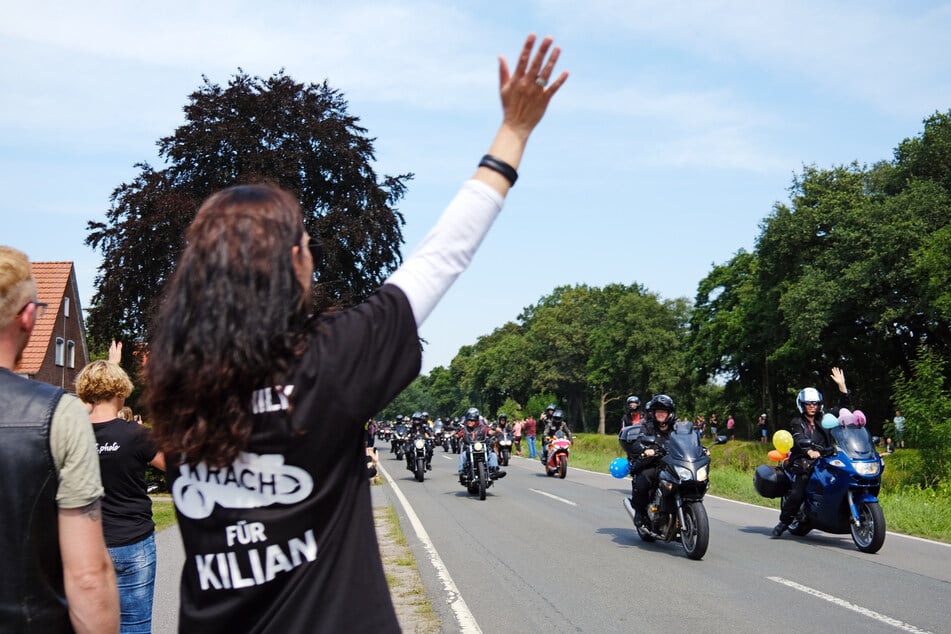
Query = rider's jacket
x=808 y=436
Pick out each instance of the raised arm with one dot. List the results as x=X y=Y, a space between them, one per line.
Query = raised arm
x=448 y=248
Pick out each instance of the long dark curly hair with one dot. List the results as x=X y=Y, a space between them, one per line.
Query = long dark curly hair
x=232 y=321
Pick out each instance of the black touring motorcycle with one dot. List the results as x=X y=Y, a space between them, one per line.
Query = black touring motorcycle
x=675 y=510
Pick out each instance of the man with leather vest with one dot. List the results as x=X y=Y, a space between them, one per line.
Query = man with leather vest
x=57 y=574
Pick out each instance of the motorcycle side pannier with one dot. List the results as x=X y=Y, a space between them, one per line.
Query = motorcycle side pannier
x=770 y=482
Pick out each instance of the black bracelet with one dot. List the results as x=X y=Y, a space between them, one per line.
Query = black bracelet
x=500 y=166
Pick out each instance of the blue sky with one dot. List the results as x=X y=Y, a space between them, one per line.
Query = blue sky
x=680 y=127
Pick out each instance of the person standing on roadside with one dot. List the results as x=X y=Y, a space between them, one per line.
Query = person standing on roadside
x=57 y=575
x=529 y=427
x=125 y=451
x=270 y=469
x=899 y=422
x=517 y=436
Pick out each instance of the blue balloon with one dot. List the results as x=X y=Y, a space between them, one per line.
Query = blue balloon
x=619 y=467
x=829 y=421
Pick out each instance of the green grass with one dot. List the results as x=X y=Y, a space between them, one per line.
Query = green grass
x=163 y=512
x=908 y=509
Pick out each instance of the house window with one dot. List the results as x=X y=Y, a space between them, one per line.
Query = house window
x=70 y=354
x=66 y=309
x=60 y=352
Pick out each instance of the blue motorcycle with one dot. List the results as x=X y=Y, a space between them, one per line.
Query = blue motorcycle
x=842 y=494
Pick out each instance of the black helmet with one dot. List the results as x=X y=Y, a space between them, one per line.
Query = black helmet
x=661 y=401
x=557 y=416
x=502 y=416
x=664 y=402
x=633 y=402
x=472 y=414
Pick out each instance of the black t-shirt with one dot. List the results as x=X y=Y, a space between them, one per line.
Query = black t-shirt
x=125 y=449
x=284 y=540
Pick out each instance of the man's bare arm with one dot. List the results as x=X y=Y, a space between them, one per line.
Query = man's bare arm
x=89 y=577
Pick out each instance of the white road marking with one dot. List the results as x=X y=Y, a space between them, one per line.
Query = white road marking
x=554 y=497
x=457 y=604
x=850 y=606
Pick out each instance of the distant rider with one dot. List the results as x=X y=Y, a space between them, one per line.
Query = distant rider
x=810 y=441
x=555 y=424
x=474 y=431
x=632 y=415
x=420 y=426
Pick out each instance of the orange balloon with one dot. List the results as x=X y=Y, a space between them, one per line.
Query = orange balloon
x=777 y=455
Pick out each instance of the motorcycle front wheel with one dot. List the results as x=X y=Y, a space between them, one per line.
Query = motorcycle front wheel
x=562 y=466
x=869 y=535
x=420 y=469
x=505 y=459
x=482 y=479
x=695 y=533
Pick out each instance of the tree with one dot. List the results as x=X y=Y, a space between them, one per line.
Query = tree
x=925 y=400
x=297 y=136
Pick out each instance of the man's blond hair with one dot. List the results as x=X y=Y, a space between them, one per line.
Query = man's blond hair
x=17 y=286
x=102 y=381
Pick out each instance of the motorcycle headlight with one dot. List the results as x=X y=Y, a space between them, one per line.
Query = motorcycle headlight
x=702 y=474
x=478 y=446
x=866 y=468
x=420 y=443
x=684 y=473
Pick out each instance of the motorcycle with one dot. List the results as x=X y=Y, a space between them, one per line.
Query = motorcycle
x=504 y=441
x=398 y=440
x=383 y=433
x=675 y=510
x=842 y=493
x=558 y=449
x=475 y=471
x=416 y=455
x=441 y=436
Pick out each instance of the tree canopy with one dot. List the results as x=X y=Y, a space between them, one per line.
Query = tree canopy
x=298 y=136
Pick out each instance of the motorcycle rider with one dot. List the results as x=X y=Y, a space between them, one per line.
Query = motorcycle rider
x=810 y=441
x=632 y=416
x=545 y=419
x=420 y=426
x=660 y=419
x=555 y=424
x=399 y=429
x=473 y=431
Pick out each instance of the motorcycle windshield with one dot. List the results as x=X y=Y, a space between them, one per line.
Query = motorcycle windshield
x=684 y=447
x=855 y=442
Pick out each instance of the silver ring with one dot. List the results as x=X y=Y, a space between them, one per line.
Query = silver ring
x=541 y=82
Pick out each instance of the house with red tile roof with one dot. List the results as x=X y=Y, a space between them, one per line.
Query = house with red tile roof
x=56 y=351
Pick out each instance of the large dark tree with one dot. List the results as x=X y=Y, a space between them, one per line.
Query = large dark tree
x=298 y=136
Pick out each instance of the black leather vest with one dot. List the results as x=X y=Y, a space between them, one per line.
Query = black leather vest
x=32 y=598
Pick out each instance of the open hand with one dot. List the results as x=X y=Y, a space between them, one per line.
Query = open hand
x=526 y=91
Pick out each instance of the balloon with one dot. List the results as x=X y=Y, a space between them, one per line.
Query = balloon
x=860 y=419
x=777 y=455
x=831 y=422
x=782 y=440
x=619 y=467
x=846 y=418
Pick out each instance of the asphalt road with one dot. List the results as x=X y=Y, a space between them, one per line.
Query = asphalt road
x=547 y=555
x=543 y=554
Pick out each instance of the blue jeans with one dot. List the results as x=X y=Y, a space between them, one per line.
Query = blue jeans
x=491 y=460
x=135 y=576
x=532 y=452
